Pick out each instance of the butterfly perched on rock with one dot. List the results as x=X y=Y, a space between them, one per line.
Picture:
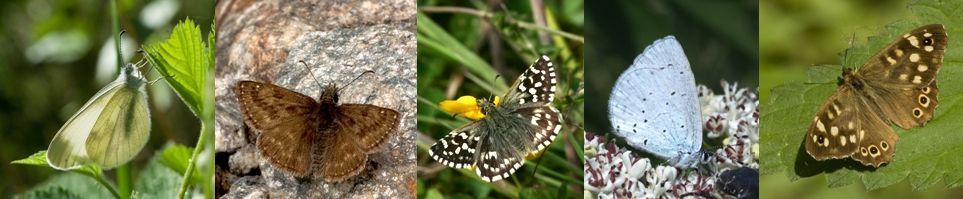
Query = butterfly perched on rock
x=302 y=136
x=523 y=123
x=897 y=85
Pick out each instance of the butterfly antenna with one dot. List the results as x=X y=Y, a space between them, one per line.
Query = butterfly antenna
x=491 y=97
x=846 y=52
x=356 y=79
x=311 y=73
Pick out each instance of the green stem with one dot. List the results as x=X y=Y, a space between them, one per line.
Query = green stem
x=486 y=15
x=123 y=172
x=116 y=27
x=100 y=179
x=205 y=127
x=123 y=180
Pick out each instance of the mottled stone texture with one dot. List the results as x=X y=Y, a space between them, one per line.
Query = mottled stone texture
x=338 y=40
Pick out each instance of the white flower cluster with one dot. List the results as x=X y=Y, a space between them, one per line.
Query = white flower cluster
x=616 y=172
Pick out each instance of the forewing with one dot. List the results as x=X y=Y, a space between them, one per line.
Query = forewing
x=535 y=85
x=654 y=103
x=287 y=123
x=370 y=125
x=122 y=129
x=68 y=150
x=902 y=77
x=266 y=106
x=833 y=131
x=457 y=149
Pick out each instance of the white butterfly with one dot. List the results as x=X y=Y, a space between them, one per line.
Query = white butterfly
x=109 y=130
x=654 y=105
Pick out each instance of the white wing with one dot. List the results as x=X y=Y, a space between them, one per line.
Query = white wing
x=654 y=104
x=67 y=149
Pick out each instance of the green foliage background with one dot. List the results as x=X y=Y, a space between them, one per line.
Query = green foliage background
x=38 y=96
x=797 y=74
x=456 y=57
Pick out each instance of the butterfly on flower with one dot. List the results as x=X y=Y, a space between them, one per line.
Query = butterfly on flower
x=507 y=129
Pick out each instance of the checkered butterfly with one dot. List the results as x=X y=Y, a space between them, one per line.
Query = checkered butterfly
x=524 y=123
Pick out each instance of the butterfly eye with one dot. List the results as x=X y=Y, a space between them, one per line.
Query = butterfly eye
x=884 y=145
x=928 y=41
x=917 y=112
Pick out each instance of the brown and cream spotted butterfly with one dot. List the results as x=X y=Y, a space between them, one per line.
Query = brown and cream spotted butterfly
x=897 y=85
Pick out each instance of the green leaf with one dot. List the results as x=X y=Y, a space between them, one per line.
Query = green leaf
x=68 y=185
x=40 y=159
x=158 y=179
x=186 y=62
x=434 y=39
x=50 y=192
x=176 y=157
x=37 y=159
x=925 y=156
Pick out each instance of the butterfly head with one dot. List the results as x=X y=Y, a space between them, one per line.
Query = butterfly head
x=850 y=78
x=132 y=77
x=329 y=95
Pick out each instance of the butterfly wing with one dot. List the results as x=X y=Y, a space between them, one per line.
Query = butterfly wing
x=535 y=86
x=283 y=133
x=833 y=132
x=378 y=124
x=122 y=129
x=547 y=122
x=876 y=138
x=902 y=77
x=457 y=149
x=654 y=103
x=68 y=150
x=342 y=159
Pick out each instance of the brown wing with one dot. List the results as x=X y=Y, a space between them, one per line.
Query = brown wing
x=877 y=140
x=340 y=158
x=285 y=121
x=370 y=125
x=834 y=124
x=898 y=75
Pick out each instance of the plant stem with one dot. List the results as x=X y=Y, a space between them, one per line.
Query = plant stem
x=100 y=179
x=123 y=172
x=191 y=164
x=486 y=15
x=115 y=25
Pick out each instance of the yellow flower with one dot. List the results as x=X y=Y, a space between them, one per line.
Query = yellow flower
x=465 y=106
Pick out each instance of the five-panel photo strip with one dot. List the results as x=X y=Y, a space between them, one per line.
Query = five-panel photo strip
x=440 y=99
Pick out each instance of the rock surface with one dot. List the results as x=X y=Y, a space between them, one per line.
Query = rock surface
x=338 y=41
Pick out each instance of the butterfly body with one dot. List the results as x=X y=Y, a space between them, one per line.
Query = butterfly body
x=109 y=130
x=321 y=138
x=524 y=123
x=897 y=85
x=654 y=105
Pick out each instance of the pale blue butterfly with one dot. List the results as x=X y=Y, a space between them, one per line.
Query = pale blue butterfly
x=654 y=105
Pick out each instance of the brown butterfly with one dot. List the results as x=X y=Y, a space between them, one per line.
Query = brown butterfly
x=303 y=136
x=897 y=85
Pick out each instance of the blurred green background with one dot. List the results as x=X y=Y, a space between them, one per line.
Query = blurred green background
x=719 y=38
x=463 y=54
x=795 y=35
x=58 y=53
